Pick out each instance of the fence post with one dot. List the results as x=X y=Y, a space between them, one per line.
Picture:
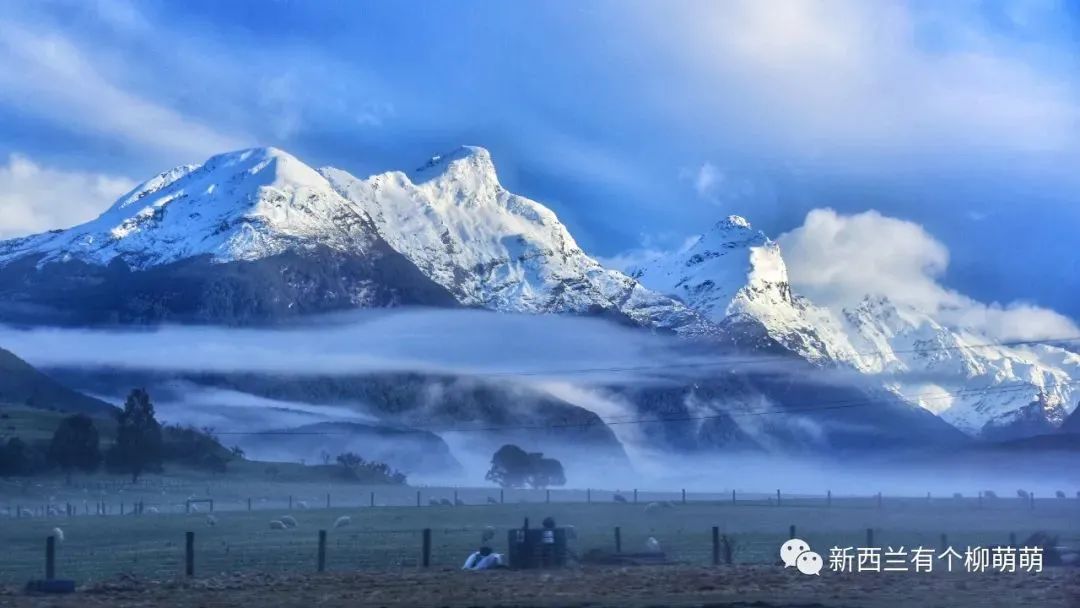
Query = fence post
x=716 y=545
x=18 y=511
x=426 y=554
x=322 y=550
x=290 y=502
x=733 y=497
x=944 y=541
x=502 y=496
x=791 y=531
x=1012 y=539
x=327 y=500
x=547 y=497
x=249 y=504
x=455 y=498
x=418 y=498
x=778 y=498
x=869 y=537
x=635 y=496
x=828 y=498
x=588 y=496
x=879 y=500
x=618 y=539
x=50 y=558
x=980 y=499
x=1032 y=495
x=189 y=553
x=121 y=508
x=372 y=499
x=684 y=496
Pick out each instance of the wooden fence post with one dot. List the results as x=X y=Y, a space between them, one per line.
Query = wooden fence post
x=502 y=496
x=547 y=497
x=372 y=501
x=189 y=553
x=618 y=539
x=635 y=496
x=733 y=497
x=778 y=498
x=327 y=500
x=426 y=549
x=418 y=498
x=944 y=541
x=1012 y=539
x=50 y=558
x=684 y=496
x=716 y=545
x=869 y=537
x=322 y=550
x=290 y=502
x=588 y=496
x=249 y=504
x=455 y=498
x=791 y=531
x=828 y=498
x=879 y=500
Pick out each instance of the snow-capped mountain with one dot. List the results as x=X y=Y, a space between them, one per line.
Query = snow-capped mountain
x=496 y=249
x=245 y=205
x=980 y=387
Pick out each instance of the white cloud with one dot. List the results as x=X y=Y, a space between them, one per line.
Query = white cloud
x=35 y=198
x=837 y=260
x=855 y=81
x=45 y=74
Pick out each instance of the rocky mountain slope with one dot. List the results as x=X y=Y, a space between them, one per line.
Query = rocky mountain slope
x=256 y=236
x=977 y=385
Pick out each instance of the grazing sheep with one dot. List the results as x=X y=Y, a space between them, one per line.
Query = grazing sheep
x=1022 y=494
x=652 y=545
x=59 y=534
x=342 y=521
x=446 y=502
x=492 y=501
x=211 y=520
x=989 y=494
x=1059 y=494
x=152 y=510
x=301 y=504
x=619 y=498
x=277 y=524
x=667 y=504
x=288 y=520
x=652 y=508
x=26 y=513
x=433 y=502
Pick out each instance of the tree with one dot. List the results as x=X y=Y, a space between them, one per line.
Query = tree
x=138 y=437
x=75 y=445
x=513 y=467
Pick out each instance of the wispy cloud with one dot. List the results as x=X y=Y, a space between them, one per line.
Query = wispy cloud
x=34 y=198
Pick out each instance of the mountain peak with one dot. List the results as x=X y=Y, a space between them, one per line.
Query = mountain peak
x=733 y=222
x=469 y=163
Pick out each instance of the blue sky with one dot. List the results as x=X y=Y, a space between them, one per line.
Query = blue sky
x=638 y=122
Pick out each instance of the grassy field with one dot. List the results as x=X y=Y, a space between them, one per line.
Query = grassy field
x=389 y=537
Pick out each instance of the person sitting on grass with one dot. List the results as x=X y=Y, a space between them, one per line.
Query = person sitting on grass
x=484 y=559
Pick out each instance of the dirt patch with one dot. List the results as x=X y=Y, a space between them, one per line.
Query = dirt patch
x=630 y=587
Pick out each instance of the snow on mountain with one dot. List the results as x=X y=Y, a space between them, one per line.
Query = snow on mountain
x=734 y=271
x=496 y=249
x=244 y=205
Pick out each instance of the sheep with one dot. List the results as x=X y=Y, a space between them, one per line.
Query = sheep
x=619 y=498
x=277 y=524
x=211 y=520
x=667 y=504
x=288 y=521
x=989 y=494
x=1022 y=494
x=58 y=534
x=26 y=513
x=652 y=545
x=446 y=502
x=433 y=502
x=152 y=510
x=492 y=501
x=652 y=508
x=301 y=504
x=1059 y=494
x=342 y=521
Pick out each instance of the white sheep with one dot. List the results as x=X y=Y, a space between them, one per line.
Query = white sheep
x=288 y=520
x=58 y=534
x=211 y=520
x=26 y=513
x=152 y=510
x=276 y=524
x=342 y=521
x=653 y=507
x=652 y=545
x=300 y=504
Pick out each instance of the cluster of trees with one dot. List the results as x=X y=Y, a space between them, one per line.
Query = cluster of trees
x=355 y=468
x=141 y=446
x=513 y=467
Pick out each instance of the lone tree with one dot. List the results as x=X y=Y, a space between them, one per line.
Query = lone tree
x=138 y=437
x=513 y=467
x=75 y=446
